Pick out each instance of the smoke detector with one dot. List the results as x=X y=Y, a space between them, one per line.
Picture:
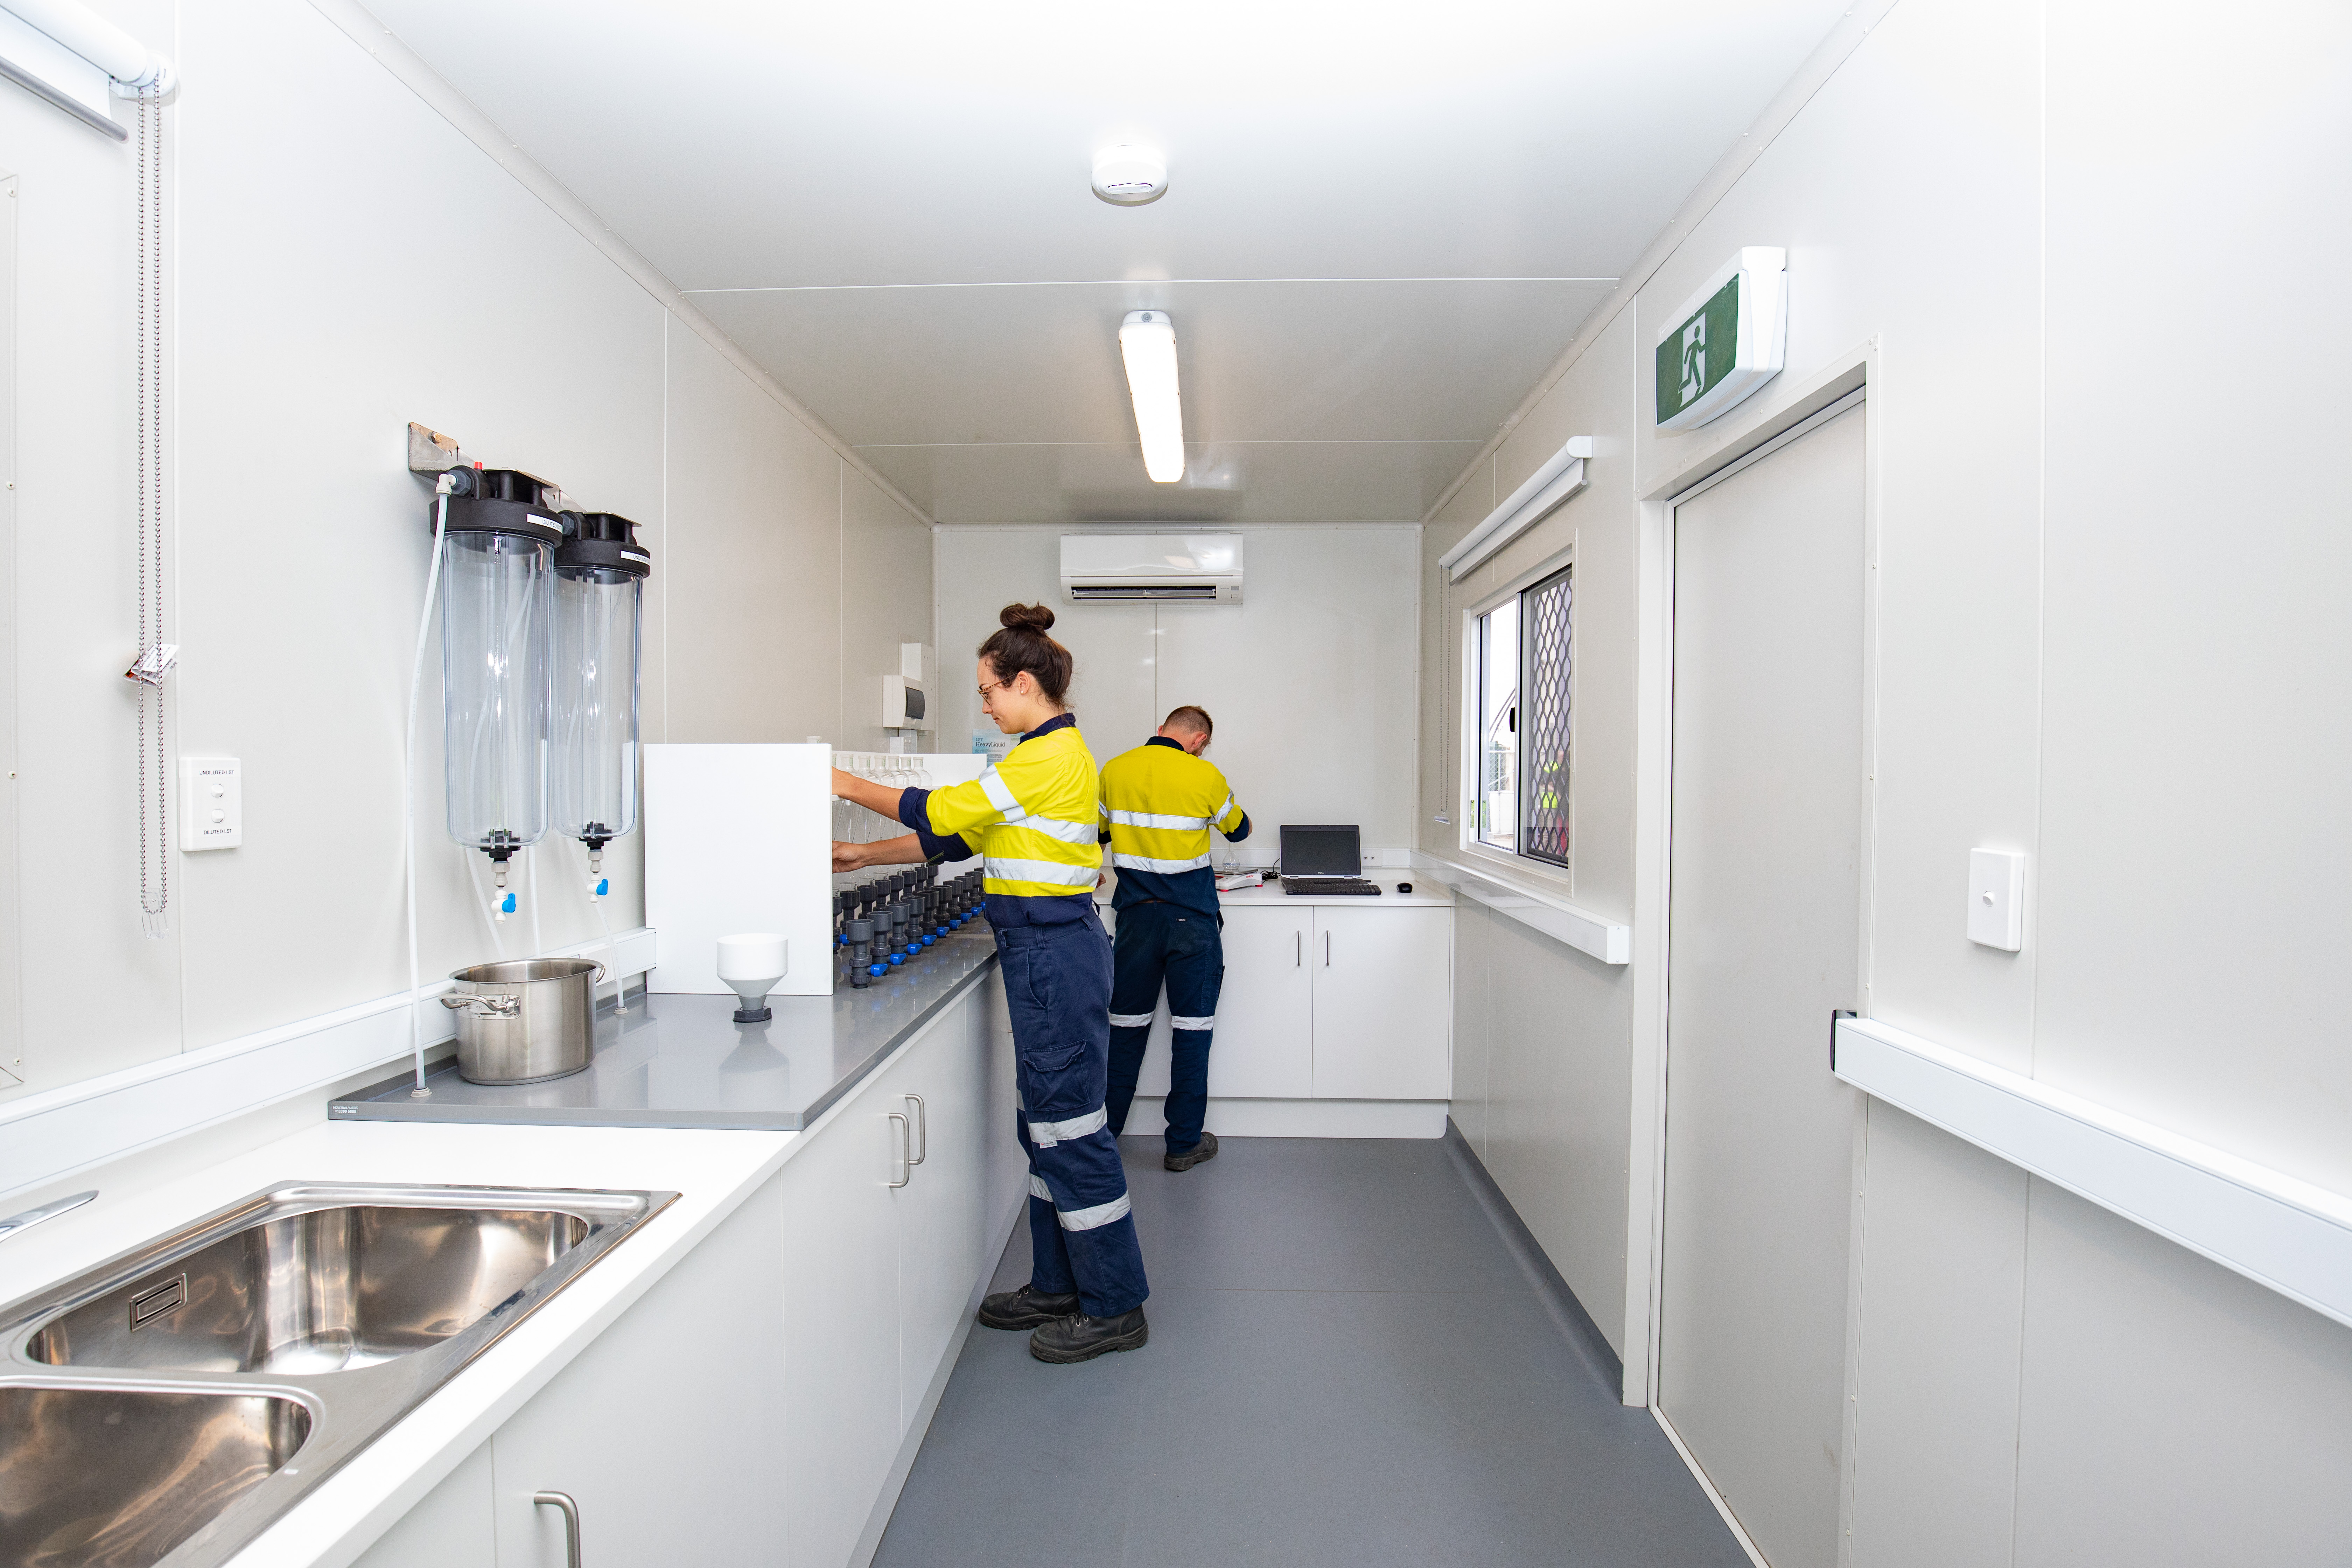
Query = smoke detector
x=1129 y=175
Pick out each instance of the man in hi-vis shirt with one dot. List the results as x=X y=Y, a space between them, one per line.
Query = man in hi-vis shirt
x=1158 y=802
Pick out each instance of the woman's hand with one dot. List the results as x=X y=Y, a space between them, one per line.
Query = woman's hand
x=844 y=784
x=904 y=850
x=851 y=857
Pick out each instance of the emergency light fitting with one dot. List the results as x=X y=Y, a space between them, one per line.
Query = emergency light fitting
x=1147 y=342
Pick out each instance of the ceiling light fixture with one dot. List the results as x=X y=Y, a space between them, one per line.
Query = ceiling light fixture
x=1147 y=342
x=1129 y=175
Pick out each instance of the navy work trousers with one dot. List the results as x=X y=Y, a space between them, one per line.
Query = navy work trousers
x=1058 y=985
x=1165 y=943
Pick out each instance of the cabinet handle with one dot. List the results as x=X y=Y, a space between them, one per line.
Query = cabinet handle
x=1299 y=950
x=1327 y=950
x=906 y=1151
x=571 y=1523
x=922 y=1130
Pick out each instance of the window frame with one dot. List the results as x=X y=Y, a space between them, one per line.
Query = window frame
x=1518 y=857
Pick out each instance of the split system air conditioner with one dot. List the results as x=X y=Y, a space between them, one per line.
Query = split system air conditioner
x=1198 y=568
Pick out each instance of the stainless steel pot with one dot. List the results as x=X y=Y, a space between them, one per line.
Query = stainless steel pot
x=525 y=1021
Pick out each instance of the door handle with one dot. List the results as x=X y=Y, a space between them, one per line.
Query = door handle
x=906 y=1151
x=922 y=1130
x=1327 y=950
x=571 y=1523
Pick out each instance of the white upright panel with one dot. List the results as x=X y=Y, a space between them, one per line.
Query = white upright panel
x=739 y=838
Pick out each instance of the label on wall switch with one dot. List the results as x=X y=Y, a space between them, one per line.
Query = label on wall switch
x=1997 y=898
x=212 y=803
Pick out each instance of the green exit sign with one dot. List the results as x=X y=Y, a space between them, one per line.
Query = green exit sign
x=1727 y=339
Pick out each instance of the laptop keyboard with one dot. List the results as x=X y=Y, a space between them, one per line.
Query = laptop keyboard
x=1353 y=886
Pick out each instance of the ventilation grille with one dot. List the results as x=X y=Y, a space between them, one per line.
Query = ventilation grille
x=1082 y=591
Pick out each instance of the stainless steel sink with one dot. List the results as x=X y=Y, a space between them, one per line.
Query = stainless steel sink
x=321 y=1290
x=121 y=1475
x=149 y=1406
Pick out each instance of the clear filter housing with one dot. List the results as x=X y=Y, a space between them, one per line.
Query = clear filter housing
x=600 y=573
x=495 y=571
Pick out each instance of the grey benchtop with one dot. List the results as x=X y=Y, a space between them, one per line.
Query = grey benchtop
x=675 y=1060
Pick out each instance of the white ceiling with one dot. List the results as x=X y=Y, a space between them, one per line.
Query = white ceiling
x=1382 y=222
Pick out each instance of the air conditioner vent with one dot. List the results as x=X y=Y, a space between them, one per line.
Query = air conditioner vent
x=1200 y=568
x=1083 y=591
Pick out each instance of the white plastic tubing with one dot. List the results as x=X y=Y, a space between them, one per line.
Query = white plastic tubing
x=408 y=781
x=131 y=63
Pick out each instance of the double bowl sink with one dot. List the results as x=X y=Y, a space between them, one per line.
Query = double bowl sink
x=167 y=1404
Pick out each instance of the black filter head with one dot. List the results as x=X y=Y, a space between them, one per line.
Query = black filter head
x=602 y=540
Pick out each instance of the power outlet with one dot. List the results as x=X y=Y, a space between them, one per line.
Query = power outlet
x=212 y=803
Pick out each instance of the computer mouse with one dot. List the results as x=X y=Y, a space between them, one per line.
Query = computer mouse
x=1404 y=887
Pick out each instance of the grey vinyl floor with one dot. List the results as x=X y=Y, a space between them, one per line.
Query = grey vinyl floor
x=1347 y=1366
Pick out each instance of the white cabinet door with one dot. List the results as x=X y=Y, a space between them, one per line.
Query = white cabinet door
x=1383 y=1002
x=942 y=1085
x=665 y=1430
x=450 y=1527
x=1263 y=1048
x=841 y=1415
x=1264 y=1045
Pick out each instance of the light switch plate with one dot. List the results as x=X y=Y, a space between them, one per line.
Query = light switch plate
x=1997 y=898
x=212 y=803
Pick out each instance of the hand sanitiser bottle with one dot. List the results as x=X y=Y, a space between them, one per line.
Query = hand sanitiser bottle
x=600 y=573
x=498 y=556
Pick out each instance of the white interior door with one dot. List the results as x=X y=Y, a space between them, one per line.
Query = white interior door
x=1763 y=942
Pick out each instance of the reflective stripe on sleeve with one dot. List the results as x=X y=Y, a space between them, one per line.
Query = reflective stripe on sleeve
x=1045 y=1134
x=1225 y=810
x=1038 y=1189
x=1208 y=1023
x=1094 y=1218
x=1067 y=832
x=1168 y=867
x=997 y=870
x=1154 y=819
x=1000 y=795
x=1130 y=1020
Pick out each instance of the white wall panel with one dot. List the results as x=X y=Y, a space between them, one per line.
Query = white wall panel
x=1310 y=678
x=1943 y=1288
x=2171 y=1413
x=2197 y=667
x=1555 y=1127
x=327 y=286
x=751 y=580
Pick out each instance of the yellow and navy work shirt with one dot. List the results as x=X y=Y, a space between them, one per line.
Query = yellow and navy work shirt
x=1158 y=803
x=1035 y=819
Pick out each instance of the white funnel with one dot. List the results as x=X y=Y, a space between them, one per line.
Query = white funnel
x=751 y=964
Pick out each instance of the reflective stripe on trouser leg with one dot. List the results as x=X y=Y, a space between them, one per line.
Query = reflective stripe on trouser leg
x=1057 y=986
x=1196 y=971
x=1134 y=999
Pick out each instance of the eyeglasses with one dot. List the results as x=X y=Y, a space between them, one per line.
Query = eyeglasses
x=994 y=686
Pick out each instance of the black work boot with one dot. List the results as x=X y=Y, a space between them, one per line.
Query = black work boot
x=1026 y=1307
x=1077 y=1337
x=1206 y=1149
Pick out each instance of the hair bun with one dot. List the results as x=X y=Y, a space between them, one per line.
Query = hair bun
x=1026 y=617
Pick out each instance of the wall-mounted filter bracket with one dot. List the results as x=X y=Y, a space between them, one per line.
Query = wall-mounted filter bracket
x=431 y=452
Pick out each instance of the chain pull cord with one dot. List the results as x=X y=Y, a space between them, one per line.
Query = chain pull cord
x=154 y=837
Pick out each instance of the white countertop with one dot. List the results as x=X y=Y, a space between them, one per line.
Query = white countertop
x=1426 y=890
x=711 y=1171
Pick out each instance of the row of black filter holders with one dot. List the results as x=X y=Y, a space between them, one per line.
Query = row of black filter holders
x=882 y=924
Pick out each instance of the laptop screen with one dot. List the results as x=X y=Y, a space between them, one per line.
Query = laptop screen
x=1321 y=851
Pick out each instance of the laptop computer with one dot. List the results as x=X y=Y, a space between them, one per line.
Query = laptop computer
x=1323 y=860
